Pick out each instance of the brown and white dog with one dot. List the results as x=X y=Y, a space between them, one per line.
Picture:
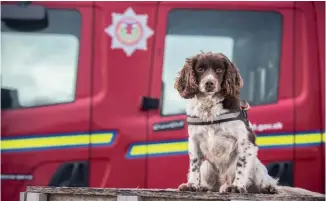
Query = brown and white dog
x=222 y=147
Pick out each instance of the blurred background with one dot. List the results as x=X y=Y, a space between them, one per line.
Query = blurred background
x=88 y=98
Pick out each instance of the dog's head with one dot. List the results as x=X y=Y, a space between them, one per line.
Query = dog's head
x=209 y=74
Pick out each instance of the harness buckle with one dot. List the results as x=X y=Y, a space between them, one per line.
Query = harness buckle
x=244 y=113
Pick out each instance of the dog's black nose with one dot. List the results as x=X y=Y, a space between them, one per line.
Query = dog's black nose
x=209 y=86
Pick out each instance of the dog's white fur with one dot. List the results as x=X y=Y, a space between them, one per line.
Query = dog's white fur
x=222 y=145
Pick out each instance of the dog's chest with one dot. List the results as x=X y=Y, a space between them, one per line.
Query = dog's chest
x=215 y=141
x=206 y=109
x=213 y=135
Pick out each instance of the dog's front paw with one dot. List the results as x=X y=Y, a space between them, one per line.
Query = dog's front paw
x=235 y=189
x=223 y=188
x=269 y=190
x=192 y=187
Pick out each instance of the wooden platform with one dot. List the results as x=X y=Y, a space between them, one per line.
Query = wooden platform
x=111 y=194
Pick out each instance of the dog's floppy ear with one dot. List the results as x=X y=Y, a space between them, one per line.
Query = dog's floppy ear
x=232 y=82
x=186 y=83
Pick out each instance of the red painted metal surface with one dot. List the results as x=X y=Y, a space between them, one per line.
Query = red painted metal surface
x=119 y=84
x=307 y=116
x=110 y=86
x=61 y=118
x=320 y=20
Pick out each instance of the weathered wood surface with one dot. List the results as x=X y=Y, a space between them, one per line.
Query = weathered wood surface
x=110 y=194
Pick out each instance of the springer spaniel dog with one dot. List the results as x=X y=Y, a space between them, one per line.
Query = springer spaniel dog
x=222 y=147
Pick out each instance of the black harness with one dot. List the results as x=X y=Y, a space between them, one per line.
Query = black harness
x=230 y=116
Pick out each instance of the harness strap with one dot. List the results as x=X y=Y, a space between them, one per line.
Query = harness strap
x=242 y=116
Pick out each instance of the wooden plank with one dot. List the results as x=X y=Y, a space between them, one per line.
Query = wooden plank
x=62 y=197
x=106 y=194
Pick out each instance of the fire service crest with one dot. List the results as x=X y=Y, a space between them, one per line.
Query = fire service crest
x=129 y=31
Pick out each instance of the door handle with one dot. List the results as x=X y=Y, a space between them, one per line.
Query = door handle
x=149 y=103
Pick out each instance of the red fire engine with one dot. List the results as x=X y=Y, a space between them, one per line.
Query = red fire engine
x=87 y=92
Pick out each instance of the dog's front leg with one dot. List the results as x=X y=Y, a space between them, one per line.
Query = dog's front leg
x=195 y=161
x=244 y=166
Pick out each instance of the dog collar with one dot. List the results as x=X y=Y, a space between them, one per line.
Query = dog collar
x=241 y=115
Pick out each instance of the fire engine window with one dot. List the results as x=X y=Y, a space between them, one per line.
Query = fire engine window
x=39 y=59
x=252 y=40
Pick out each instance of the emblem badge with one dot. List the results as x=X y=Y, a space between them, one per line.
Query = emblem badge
x=129 y=31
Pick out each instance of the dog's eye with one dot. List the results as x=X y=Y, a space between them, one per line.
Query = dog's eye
x=219 y=70
x=200 y=69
